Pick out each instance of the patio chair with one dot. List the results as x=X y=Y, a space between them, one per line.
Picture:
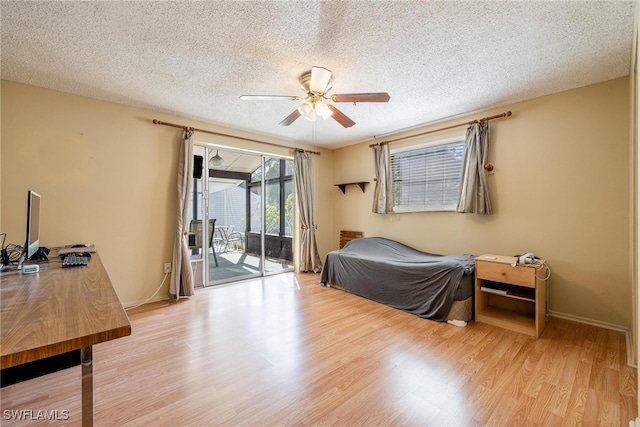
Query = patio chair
x=195 y=228
x=235 y=237
x=213 y=241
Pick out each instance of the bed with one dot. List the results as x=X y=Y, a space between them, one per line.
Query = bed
x=437 y=287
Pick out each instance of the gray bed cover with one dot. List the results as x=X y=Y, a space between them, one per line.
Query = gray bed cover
x=397 y=275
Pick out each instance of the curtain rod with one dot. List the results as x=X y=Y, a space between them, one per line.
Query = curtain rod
x=497 y=116
x=158 y=122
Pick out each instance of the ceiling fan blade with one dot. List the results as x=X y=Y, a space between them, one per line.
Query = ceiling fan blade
x=320 y=80
x=290 y=118
x=268 y=97
x=340 y=117
x=361 y=97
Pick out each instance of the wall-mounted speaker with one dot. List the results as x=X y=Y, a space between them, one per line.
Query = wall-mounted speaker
x=197 y=166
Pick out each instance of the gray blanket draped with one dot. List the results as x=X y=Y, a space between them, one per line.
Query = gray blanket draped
x=397 y=275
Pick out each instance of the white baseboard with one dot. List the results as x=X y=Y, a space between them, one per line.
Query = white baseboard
x=588 y=321
x=157 y=298
x=630 y=353
x=605 y=325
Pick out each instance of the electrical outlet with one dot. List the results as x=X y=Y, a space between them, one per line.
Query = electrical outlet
x=167 y=267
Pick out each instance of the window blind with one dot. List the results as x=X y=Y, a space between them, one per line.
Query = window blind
x=427 y=178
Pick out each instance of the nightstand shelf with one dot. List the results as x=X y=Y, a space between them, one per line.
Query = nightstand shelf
x=510 y=297
x=515 y=292
x=507 y=319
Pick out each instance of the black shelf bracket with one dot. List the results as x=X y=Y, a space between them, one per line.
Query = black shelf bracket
x=360 y=184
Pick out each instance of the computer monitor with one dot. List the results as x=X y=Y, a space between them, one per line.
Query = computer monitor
x=32 y=241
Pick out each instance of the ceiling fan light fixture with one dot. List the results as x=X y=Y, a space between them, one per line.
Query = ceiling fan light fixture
x=323 y=110
x=307 y=111
x=216 y=161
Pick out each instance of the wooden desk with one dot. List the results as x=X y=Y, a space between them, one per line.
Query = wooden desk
x=59 y=310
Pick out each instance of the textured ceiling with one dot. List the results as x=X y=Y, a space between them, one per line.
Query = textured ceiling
x=435 y=59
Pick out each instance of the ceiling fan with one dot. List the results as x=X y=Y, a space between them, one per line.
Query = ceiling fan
x=316 y=83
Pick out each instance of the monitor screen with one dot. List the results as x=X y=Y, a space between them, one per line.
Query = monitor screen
x=32 y=242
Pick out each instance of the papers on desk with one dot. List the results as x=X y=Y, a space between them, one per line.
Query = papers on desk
x=75 y=249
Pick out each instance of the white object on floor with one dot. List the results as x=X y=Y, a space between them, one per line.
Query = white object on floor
x=457 y=322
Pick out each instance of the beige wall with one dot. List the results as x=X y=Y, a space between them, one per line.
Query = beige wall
x=561 y=189
x=107 y=176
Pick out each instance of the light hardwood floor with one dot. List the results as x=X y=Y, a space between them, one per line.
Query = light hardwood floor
x=285 y=351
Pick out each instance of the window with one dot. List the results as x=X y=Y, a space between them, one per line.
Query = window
x=278 y=197
x=426 y=177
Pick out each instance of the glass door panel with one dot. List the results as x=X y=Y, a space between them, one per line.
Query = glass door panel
x=278 y=214
x=229 y=256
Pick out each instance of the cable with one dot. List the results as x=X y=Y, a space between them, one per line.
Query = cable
x=10 y=253
x=547 y=270
x=4 y=256
x=547 y=293
x=13 y=252
x=154 y=294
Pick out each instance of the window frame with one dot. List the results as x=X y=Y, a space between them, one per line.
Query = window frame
x=449 y=207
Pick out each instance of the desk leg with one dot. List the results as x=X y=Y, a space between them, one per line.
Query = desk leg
x=86 y=357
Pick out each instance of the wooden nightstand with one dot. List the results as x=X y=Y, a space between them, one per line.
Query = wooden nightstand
x=511 y=297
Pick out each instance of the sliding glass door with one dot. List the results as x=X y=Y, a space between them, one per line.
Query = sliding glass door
x=271 y=212
x=246 y=200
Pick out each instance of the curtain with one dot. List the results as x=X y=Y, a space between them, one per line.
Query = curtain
x=473 y=194
x=181 y=273
x=382 y=197
x=309 y=257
